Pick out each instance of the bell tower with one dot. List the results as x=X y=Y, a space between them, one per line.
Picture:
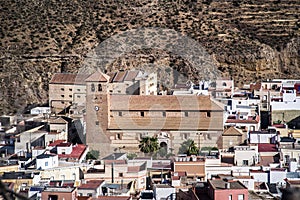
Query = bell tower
x=97 y=112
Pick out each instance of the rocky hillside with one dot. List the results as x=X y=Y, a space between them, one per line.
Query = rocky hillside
x=247 y=40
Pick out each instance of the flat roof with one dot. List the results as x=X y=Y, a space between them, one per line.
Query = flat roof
x=163 y=186
x=59 y=189
x=219 y=184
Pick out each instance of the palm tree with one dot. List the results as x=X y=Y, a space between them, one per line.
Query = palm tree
x=188 y=147
x=148 y=145
x=192 y=150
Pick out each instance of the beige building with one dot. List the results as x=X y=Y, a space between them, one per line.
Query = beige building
x=121 y=108
x=67 y=172
x=132 y=83
x=193 y=166
x=123 y=172
x=114 y=121
x=66 y=89
x=232 y=137
x=69 y=90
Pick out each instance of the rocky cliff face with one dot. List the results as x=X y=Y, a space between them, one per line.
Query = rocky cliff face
x=247 y=40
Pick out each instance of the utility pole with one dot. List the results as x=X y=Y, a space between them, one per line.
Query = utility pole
x=112 y=169
x=112 y=172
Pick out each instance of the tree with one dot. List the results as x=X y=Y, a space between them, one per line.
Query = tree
x=193 y=149
x=188 y=147
x=93 y=155
x=131 y=156
x=162 y=152
x=149 y=145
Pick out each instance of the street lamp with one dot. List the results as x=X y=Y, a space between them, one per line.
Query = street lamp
x=199 y=134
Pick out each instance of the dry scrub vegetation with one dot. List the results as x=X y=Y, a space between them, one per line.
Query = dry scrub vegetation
x=248 y=40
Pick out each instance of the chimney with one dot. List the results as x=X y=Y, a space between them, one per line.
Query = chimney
x=227 y=185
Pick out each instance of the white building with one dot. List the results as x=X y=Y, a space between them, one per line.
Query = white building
x=162 y=191
x=46 y=161
x=277 y=175
x=259 y=137
x=92 y=188
x=259 y=175
x=40 y=110
x=247 y=181
x=245 y=155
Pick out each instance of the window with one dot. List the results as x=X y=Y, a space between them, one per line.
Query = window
x=186 y=114
x=74 y=176
x=208 y=114
x=245 y=162
x=78 y=96
x=46 y=164
x=230 y=197
x=142 y=114
x=97 y=123
x=224 y=84
x=62 y=177
x=240 y=197
x=78 y=90
x=164 y=114
x=99 y=87
x=52 y=197
x=93 y=87
x=120 y=114
x=70 y=96
x=120 y=174
x=62 y=102
x=70 y=89
x=89 y=194
x=184 y=136
x=62 y=95
x=118 y=136
x=62 y=89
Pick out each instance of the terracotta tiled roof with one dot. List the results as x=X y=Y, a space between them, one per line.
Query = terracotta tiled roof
x=68 y=78
x=98 y=77
x=91 y=184
x=193 y=121
x=64 y=144
x=111 y=76
x=77 y=152
x=133 y=169
x=165 y=102
x=267 y=148
x=119 y=77
x=266 y=160
x=167 y=123
x=232 y=131
x=131 y=75
x=56 y=142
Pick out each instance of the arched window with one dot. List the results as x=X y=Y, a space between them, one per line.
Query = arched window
x=93 y=87
x=99 y=87
x=224 y=84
